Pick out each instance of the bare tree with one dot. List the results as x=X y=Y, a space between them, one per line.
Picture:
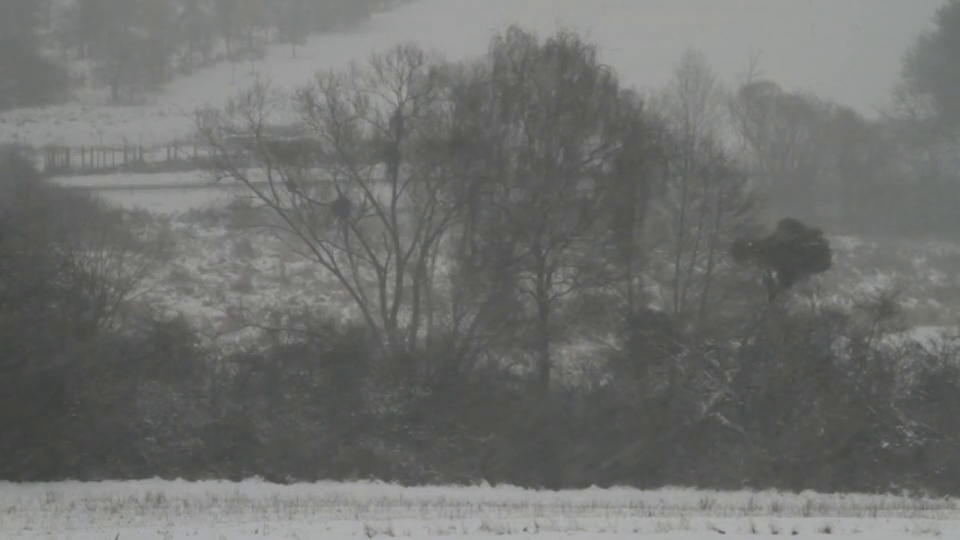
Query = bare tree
x=103 y=266
x=515 y=154
x=362 y=191
x=67 y=267
x=862 y=170
x=783 y=135
x=707 y=201
x=65 y=256
x=555 y=129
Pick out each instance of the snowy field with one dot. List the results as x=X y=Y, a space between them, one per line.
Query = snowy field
x=168 y=201
x=156 y=510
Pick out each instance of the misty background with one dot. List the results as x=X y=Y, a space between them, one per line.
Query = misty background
x=848 y=51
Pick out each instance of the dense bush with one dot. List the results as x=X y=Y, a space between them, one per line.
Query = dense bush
x=801 y=402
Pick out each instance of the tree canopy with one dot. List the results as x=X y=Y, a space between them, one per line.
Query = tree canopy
x=931 y=69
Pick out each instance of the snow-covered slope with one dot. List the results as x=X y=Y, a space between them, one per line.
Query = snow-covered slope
x=847 y=51
x=218 y=263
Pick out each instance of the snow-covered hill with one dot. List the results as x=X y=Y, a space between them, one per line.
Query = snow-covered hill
x=846 y=51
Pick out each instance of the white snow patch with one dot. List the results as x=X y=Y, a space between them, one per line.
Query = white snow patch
x=154 y=510
x=193 y=178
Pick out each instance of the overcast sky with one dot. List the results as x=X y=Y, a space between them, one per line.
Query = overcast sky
x=845 y=50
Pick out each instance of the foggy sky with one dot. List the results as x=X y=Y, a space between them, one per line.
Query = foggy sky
x=845 y=50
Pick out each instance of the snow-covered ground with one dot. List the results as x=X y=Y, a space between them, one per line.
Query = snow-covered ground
x=157 y=510
x=217 y=262
x=162 y=193
x=167 y=201
x=846 y=51
x=923 y=275
x=111 y=181
x=210 y=258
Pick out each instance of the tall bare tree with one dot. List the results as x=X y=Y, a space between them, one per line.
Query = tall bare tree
x=554 y=134
x=707 y=201
x=361 y=192
x=783 y=135
x=928 y=122
x=929 y=72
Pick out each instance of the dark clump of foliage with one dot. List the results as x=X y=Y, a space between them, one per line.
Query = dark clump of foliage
x=29 y=76
x=788 y=255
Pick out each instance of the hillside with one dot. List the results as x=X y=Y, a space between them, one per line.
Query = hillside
x=923 y=273
x=217 y=267
x=632 y=35
x=522 y=273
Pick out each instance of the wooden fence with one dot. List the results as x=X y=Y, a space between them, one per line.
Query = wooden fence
x=66 y=160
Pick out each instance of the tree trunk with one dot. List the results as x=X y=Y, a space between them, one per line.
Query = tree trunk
x=544 y=360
